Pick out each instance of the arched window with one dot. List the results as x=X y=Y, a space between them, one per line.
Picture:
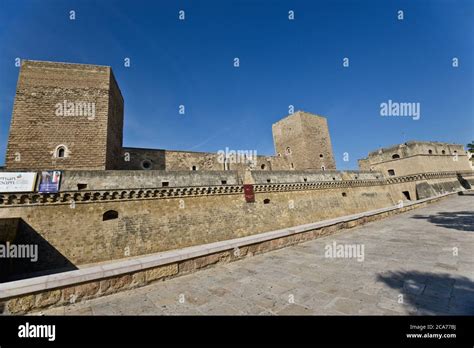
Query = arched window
x=262 y=166
x=288 y=150
x=61 y=151
x=430 y=151
x=443 y=152
x=395 y=156
x=193 y=168
x=110 y=215
x=323 y=168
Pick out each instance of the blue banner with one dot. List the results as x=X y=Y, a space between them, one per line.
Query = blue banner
x=50 y=181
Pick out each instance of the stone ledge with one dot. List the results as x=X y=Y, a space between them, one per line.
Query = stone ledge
x=41 y=292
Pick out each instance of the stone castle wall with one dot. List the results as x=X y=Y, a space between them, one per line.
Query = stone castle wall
x=422 y=164
x=153 y=220
x=95 y=143
x=417 y=157
x=188 y=160
x=37 y=129
x=100 y=280
x=303 y=141
x=114 y=125
x=143 y=179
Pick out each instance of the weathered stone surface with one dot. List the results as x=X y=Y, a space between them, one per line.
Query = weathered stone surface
x=21 y=305
x=418 y=157
x=81 y=291
x=48 y=298
x=402 y=257
x=138 y=279
x=204 y=261
x=161 y=272
x=112 y=285
x=41 y=87
x=302 y=141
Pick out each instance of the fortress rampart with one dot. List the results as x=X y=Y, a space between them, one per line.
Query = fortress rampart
x=417 y=157
x=73 y=223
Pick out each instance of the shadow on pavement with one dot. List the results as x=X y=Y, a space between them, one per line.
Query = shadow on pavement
x=432 y=293
x=457 y=220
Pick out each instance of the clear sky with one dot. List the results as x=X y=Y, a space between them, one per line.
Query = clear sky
x=282 y=63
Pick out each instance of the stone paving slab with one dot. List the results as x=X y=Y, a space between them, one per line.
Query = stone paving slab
x=419 y=262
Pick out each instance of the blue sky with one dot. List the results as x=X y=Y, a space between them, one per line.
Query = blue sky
x=282 y=63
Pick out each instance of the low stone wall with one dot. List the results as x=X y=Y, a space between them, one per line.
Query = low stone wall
x=144 y=179
x=149 y=179
x=299 y=176
x=34 y=294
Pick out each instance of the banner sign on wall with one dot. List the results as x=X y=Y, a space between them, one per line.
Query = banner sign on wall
x=17 y=182
x=249 y=193
x=50 y=181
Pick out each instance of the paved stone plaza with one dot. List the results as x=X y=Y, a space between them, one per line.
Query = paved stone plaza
x=420 y=262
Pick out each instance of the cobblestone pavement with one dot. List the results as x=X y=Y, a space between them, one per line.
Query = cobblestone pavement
x=419 y=262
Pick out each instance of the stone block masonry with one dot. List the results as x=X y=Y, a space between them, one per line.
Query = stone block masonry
x=417 y=157
x=38 y=131
x=35 y=294
x=41 y=138
x=119 y=223
x=303 y=141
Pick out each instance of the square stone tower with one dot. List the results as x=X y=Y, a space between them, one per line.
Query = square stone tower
x=303 y=140
x=65 y=116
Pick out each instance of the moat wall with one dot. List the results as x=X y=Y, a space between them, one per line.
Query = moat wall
x=173 y=218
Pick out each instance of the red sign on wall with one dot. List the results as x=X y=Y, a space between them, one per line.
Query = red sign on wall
x=249 y=193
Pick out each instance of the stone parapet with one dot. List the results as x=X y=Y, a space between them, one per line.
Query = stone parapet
x=90 y=196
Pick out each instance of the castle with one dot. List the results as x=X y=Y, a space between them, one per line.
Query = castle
x=118 y=202
x=53 y=127
x=70 y=117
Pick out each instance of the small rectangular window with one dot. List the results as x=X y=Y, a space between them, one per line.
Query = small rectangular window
x=165 y=183
x=223 y=182
x=391 y=172
x=81 y=186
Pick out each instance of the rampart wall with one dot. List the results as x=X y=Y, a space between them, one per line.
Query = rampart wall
x=165 y=218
